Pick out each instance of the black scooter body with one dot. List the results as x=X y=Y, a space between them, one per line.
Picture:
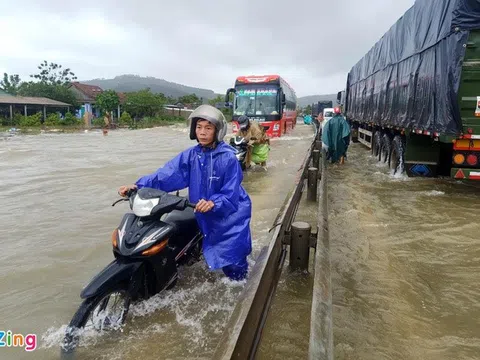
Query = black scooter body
x=146 y=275
x=239 y=144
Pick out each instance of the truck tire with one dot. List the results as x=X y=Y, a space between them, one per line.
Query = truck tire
x=376 y=144
x=397 y=156
x=354 y=135
x=385 y=149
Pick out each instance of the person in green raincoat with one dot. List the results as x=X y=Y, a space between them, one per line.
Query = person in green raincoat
x=336 y=137
x=259 y=144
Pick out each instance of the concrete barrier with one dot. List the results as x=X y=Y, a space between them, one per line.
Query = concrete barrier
x=321 y=326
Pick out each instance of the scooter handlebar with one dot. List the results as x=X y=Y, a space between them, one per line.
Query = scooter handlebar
x=132 y=192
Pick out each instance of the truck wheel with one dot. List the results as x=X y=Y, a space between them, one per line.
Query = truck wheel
x=397 y=156
x=354 y=135
x=385 y=149
x=376 y=144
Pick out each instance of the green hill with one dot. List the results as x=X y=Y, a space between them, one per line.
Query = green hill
x=128 y=83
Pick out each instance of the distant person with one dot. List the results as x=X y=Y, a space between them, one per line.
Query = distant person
x=321 y=121
x=260 y=109
x=307 y=119
x=317 y=120
x=212 y=174
x=336 y=137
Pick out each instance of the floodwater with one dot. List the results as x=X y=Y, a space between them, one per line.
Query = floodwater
x=405 y=254
x=405 y=264
x=405 y=269
x=56 y=220
x=287 y=330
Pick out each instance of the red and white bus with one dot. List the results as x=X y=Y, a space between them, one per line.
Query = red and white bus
x=267 y=99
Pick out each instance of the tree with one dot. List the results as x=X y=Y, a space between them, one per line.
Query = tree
x=107 y=101
x=10 y=84
x=308 y=110
x=189 y=99
x=144 y=103
x=53 y=84
x=171 y=100
x=54 y=92
x=219 y=99
x=126 y=119
x=54 y=74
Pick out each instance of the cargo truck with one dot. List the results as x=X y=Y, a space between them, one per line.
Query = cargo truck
x=320 y=106
x=414 y=98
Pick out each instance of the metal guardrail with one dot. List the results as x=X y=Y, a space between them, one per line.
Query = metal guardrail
x=243 y=332
x=321 y=323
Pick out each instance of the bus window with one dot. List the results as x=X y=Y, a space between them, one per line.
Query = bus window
x=256 y=100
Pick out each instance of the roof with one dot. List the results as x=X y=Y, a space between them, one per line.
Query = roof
x=262 y=79
x=20 y=100
x=91 y=91
x=257 y=78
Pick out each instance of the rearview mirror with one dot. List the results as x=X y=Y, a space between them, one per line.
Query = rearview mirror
x=228 y=104
x=284 y=99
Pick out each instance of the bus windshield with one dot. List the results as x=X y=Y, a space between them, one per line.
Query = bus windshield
x=257 y=100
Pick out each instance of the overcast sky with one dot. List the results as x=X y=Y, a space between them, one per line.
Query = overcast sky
x=312 y=43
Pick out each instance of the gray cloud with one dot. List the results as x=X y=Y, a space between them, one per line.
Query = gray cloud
x=205 y=43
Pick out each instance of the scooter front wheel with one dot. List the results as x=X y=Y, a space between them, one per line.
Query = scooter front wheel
x=106 y=311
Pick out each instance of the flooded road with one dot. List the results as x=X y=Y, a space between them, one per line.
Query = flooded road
x=56 y=219
x=287 y=330
x=405 y=264
x=405 y=254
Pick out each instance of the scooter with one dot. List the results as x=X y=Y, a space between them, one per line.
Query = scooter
x=150 y=243
x=239 y=144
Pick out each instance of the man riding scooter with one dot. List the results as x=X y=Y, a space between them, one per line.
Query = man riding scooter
x=257 y=139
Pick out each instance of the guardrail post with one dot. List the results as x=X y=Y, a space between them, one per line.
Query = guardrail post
x=312 y=184
x=316 y=159
x=300 y=245
x=318 y=145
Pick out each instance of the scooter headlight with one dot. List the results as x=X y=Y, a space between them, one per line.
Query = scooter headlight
x=142 y=207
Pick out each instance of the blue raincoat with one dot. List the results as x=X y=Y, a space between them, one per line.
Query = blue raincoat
x=307 y=119
x=212 y=174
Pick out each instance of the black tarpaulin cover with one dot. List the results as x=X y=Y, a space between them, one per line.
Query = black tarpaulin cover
x=411 y=77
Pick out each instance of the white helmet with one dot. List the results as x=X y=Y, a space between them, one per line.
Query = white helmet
x=212 y=115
